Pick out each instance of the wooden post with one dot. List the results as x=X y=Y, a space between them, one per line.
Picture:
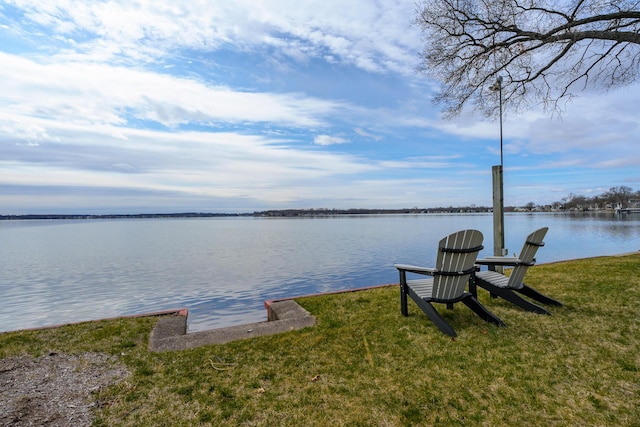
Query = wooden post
x=498 y=214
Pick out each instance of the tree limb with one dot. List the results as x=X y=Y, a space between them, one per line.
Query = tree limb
x=544 y=51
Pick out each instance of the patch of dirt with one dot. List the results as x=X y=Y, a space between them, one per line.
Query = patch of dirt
x=54 y=390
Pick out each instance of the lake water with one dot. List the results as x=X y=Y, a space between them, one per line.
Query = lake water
x=223 y=269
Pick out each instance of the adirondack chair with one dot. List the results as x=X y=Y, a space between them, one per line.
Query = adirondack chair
x=507 y=287
x=454 y=264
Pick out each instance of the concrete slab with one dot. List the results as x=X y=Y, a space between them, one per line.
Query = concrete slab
x=170 y=333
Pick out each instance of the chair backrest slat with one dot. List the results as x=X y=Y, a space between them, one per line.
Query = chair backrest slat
x=527 y=257
x=457 y=253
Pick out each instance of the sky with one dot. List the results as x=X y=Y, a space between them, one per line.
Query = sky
x=143 y=106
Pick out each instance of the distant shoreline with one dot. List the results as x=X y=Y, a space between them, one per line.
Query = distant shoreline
x=116 y=216
x=284 y=213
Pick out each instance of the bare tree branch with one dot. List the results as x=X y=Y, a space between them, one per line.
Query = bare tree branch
x=544 y=48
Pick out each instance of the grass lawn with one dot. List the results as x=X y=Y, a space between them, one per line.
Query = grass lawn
x=364 y=364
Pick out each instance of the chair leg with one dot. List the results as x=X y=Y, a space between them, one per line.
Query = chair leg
x=433 y=314
x=513 y=298
x=533 y=294
x=435 y=317
x=471 y=302
x=404 y=289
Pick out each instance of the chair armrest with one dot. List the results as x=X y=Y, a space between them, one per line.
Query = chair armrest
x=415 y=269
x=503 y=260
x=499 y=260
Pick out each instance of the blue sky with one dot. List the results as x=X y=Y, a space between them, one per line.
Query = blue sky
x=219 y=106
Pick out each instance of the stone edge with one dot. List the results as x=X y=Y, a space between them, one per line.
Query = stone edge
x=170 y=333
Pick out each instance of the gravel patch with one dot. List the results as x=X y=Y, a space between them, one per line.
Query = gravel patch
x=54 y=390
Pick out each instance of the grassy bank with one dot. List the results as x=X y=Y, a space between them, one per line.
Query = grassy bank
x=365 y=364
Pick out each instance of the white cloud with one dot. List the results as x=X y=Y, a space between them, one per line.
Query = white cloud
x=374 y=36
x=104 y=94
x=328 y=140
x=202 y=163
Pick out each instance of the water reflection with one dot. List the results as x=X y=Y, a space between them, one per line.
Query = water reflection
x=223 y=269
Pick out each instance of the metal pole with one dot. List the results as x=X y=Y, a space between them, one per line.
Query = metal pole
x=500 y=94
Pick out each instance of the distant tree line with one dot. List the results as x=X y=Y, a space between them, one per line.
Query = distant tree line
x=290 y=213
x=620 y=196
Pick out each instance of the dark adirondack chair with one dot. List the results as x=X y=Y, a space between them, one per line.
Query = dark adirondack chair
x=508 y=287
x=457 y=254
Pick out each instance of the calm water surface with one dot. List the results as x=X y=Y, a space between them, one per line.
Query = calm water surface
x=223 y=269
